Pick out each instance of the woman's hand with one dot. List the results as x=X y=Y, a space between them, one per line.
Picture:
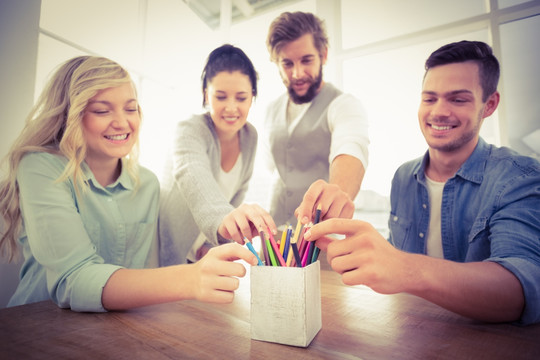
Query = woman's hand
x=216 y=275
x=246 y=221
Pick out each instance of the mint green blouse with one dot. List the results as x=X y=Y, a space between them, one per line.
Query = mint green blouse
x=72 y=243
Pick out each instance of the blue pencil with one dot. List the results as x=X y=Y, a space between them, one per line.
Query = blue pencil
x=287 y=243
x=252 y=249
x=296 y=254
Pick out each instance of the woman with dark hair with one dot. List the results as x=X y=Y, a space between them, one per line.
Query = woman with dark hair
x=211 y=163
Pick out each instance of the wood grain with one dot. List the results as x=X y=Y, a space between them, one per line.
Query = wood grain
x=356 y=323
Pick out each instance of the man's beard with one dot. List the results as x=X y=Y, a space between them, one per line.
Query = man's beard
x=310 y=93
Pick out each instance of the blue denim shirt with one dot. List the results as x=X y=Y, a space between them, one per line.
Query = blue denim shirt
x=490 y=212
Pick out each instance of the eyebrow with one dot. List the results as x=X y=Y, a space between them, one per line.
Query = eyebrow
x=450 y=93
x=108 y=102
x=239 y=92
x=305 y=57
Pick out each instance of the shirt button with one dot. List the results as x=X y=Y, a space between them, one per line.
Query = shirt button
x=395 y=218
x=424 y=206
x=421 y=235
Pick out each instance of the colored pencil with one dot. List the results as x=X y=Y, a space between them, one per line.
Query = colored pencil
x=271 y=254
x=306 y=254
x=303 y=243
x=318 y=214
x=294 y=239
x=278 y=255
x=286 y=252
x=297 y=259
x=252 y=249
x=316 y=250
x=283 y=239
x=265 y=249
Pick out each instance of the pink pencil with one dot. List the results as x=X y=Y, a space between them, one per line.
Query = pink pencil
x=276 y=249
x=306 y=254
x=302 y=242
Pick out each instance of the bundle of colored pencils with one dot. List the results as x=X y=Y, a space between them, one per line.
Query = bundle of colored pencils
x=291 y=250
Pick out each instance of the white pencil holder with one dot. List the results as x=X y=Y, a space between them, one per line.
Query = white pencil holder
x=286 y=304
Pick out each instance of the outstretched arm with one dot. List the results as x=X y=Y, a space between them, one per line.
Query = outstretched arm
x=481 y=290
x=212 y=279
x=347 y=172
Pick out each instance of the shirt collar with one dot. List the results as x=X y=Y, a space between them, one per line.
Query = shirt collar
x=471 y=170
x=474 y=166
x=124 y=181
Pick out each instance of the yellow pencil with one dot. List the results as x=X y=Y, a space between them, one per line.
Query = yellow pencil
x=282 y=243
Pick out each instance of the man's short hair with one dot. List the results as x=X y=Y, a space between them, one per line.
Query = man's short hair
x=475 y=51
x=288 y=27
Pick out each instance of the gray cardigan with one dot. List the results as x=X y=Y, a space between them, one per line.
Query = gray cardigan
x=191 y=199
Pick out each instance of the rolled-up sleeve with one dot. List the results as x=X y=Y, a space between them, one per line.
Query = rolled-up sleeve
x=348 y=122
x=515 y=236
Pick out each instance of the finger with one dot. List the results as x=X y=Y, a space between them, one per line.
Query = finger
x=226 y=283
x=323 y=242
x=261 y=219
x=243 y=227
x=341 y=262
x=336 y=226
x=235 y=234
x=269 y=222
x=306 y=209
x=219 y=297
x=232 y=252
x=340 y=207
x=352 y=277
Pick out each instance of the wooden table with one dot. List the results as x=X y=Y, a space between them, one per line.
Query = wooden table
x=356 y=323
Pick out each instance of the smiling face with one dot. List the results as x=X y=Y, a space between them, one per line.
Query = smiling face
x=111 y=123
x=229 y=96
x=451 y=110
x=300 y=67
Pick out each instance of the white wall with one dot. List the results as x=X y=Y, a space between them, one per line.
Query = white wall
x=18 y=56
x=371 y=43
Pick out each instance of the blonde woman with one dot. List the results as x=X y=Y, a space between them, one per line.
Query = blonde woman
x=83 y=212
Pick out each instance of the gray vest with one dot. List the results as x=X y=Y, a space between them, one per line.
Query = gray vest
x=302 y=157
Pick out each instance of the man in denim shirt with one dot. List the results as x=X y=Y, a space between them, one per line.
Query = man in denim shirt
x=473 y=208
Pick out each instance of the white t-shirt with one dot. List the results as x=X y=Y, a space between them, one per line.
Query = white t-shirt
x=434 y=240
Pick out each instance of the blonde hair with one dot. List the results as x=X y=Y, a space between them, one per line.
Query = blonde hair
x=54 y=125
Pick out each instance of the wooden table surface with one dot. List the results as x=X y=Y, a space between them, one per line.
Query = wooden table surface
x=356 y=323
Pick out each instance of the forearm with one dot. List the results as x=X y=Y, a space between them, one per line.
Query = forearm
x=347 y=172
x=481 y=290
x=131 y=288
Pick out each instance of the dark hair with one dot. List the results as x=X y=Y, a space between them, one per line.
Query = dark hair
x=289 y=26
x=476 y=51
x=228 y=58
